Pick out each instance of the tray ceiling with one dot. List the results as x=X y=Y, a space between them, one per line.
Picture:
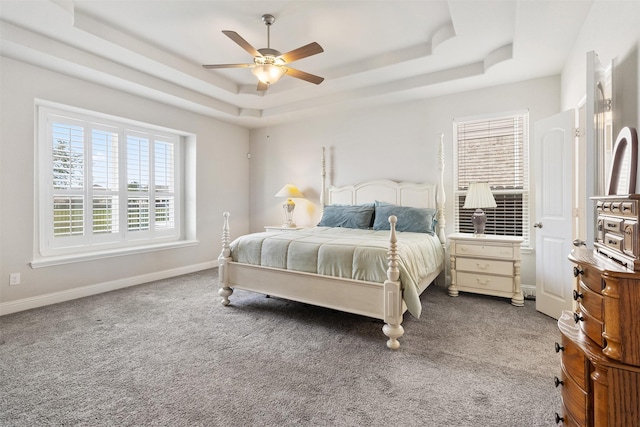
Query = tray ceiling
x=375 y=52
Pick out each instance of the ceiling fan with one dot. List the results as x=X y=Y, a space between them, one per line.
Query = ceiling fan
x=269 y=64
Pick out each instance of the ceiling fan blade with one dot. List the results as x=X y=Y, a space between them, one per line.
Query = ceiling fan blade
x=242 y=42
x=302 y=52
x=211 y=66
x=262 y=86
x=311 y=78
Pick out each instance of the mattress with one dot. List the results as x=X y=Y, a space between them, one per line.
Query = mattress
x=347 y=253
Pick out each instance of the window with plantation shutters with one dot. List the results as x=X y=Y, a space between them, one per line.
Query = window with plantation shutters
x=105 y=184
x=494 y=150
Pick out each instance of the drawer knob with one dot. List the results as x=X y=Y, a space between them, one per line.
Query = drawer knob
x=559 y=418
x=557 y=381
x=577 y=318
x=559 y=348
x=577 y=271
x=577 y=295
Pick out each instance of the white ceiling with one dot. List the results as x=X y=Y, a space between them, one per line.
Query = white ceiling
x=375 y=52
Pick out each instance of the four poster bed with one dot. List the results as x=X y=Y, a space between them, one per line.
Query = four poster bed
x=377 y=247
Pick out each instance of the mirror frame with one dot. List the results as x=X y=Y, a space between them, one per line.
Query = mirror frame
x=627 y=137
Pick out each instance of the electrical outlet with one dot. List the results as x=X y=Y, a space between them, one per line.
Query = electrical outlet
x=14 y=279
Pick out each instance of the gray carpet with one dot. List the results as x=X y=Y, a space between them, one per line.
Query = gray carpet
x=168 y=354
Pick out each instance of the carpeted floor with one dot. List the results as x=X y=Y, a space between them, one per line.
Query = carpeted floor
x=168 y=353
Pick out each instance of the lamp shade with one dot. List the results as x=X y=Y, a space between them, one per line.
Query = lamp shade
x=289 y=191
x=479 y=196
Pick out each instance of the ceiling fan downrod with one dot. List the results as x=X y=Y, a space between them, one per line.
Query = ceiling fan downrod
x=268 y=21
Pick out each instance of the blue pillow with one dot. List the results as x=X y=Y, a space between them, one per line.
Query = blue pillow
x=416 y=220
x=347 y=216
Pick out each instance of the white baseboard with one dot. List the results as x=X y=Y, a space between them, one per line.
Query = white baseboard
x=529 y=291
x=98 y=288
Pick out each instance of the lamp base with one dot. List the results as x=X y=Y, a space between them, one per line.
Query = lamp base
x=289 y=207
x=479 y=220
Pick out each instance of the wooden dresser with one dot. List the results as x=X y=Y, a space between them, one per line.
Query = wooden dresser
x=600 y=345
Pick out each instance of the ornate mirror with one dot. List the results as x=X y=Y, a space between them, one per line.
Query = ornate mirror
x=624 y=163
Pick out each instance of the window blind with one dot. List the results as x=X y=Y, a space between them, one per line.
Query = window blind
x=494 y=150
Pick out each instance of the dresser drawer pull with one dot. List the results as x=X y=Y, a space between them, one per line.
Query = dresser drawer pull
x=559 y=348
x=557 y=381
x=482 y=266
x=577 y=271
x=577 y=318
x=559 y=419
x=483 y=282
x=577 y=295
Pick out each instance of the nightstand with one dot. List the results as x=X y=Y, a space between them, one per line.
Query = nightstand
x=487 y=265
x=272 y=228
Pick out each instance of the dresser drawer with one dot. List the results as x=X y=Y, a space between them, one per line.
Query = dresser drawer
x=486 y=266
x=493 y=251
x=592 y=327
x=592 y=278
x=568 y=420
x=575 y=364
x=614 y=241
x=591 y=302
x=484 y=281
x=575 y=400
x=612 y=224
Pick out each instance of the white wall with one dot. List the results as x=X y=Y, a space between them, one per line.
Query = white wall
x=398 y=142
x=222 y=183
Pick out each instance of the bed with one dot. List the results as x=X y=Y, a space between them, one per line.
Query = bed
x=319 y=265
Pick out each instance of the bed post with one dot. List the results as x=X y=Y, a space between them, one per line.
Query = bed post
x=225 y=256
x=392 y=292
x=440 y=196
x=323 y=187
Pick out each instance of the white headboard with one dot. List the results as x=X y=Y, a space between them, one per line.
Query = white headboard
x=422 y=195
x=398 y=193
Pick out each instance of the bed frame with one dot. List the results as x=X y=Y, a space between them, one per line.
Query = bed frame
x=377 y=300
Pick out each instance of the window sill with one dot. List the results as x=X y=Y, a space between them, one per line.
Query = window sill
x=50 y=261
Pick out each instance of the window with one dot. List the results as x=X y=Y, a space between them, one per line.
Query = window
x=106 y=184
x=494 y=150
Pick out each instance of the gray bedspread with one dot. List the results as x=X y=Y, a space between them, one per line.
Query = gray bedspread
x=345 y=252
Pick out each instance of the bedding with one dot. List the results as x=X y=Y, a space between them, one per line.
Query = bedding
x=348 y=216
x=351 y=253
x=416 y=220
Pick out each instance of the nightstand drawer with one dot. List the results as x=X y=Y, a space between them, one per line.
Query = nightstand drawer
x=505 y=252
x=486 y=266
x=484 y=281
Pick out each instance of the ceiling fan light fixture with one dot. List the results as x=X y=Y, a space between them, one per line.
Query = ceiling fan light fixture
x=268 y=73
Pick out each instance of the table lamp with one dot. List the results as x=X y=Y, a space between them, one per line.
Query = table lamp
x=289 y=191
x=479 y=196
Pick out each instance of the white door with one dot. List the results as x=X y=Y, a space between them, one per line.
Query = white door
x=554 y=177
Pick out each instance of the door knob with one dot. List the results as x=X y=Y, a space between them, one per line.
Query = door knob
x=579 y=243
x=537 y=225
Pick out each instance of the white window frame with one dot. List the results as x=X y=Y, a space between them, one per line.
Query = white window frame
x=460 y=192
x=52 y=250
